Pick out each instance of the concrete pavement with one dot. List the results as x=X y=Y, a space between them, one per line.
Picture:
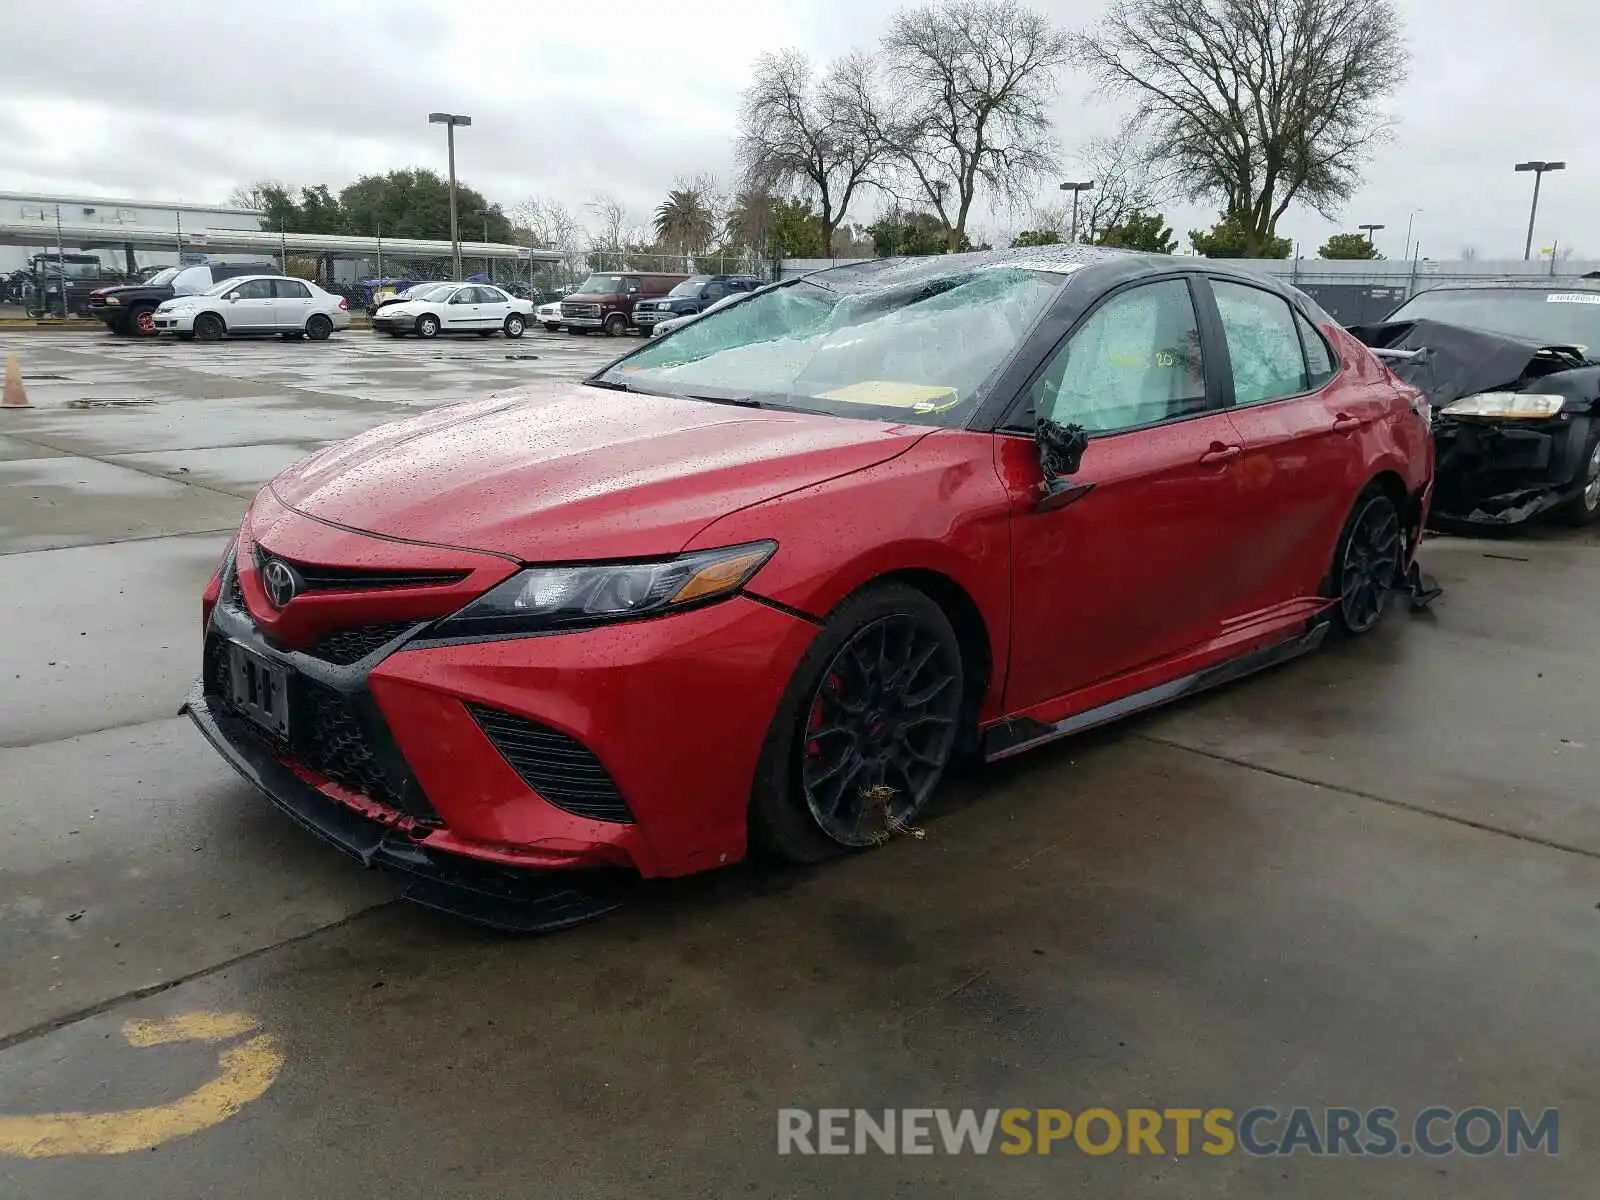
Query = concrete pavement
x=1369 y=879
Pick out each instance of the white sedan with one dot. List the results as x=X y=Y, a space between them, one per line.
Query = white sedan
x=254 y=304
x=456 y=308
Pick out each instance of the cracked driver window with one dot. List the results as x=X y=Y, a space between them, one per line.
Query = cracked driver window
x=1135 y=361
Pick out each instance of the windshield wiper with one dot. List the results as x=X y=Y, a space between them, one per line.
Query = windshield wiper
x=740 y=401
x=615 y=385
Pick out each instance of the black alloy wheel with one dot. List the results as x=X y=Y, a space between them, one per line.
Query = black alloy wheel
x=1368 y=567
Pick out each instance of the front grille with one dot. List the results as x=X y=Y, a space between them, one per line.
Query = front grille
x=352 y=645
x=355 y=579
x=580 y=310
x=329 y=733
x=560 y=769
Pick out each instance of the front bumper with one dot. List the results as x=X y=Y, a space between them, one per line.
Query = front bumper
x=169 y=322
x=1497 y=474
x=671 y=711
x=581 y=322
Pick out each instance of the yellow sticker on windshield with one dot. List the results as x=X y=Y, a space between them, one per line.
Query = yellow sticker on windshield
x=887 y=393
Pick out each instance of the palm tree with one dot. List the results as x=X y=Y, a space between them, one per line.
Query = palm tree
x=751 y=220
x=684 y=221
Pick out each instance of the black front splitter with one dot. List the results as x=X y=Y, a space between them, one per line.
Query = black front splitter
x=518 y=900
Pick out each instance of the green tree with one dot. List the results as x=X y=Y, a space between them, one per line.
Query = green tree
x=796 y=230
x=415 y=203
x=1141 y=231
x=1348 y=245
x=912 y=233
x=684 y=221
x=1037 y=237
x=1233 y=238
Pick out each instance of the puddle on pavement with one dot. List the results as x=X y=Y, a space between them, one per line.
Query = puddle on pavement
x=109 y=402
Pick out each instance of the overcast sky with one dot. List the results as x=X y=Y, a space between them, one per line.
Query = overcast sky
x=184 y=99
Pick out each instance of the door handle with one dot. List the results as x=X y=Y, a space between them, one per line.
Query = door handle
x=1345 y=423
x=1220 y=453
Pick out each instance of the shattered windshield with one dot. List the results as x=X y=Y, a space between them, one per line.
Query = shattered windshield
x=1550 y=316
x=923 y=351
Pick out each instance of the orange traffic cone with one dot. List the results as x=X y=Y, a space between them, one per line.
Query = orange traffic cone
x=16 y=396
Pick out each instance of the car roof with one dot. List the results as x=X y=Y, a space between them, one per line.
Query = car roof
x=1516 y=284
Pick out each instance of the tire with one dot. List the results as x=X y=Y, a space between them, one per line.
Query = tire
x=427 y=326
x=835 y=727
x=208 y=327
x=141 y=320
x=552 y=328
x=515 y=326
x=1367 y=563
x=318 y=327
x=616 y=325
x=1584 y=508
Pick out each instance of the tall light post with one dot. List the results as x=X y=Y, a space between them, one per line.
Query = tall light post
x=450 y=121
x=1538 y=167
x=1370 y=230
x=1076 y=189
x=1409 y=220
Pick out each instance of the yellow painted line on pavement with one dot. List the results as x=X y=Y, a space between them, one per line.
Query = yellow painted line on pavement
x=244 y=1073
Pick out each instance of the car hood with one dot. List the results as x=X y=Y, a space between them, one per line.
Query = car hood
x=568 y=472
x=593 y=297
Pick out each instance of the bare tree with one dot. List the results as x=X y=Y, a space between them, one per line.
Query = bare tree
x=976 y=78
x=823 y=137
x=252 y=195
x=551 y=225
x=1469 y=253
x=1123 y=183
x=1256 y=103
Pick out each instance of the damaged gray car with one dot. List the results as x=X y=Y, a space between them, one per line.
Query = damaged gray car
x=1512 y=370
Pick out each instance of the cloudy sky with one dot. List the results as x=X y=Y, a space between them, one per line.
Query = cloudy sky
x=184 y=99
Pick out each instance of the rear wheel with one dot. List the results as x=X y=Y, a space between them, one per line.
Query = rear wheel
x=427 y=326
x=864 y=730
x=1584 y=508
x=514 y=326
x=1367 y=566
x=208 y=327
x=319 y=328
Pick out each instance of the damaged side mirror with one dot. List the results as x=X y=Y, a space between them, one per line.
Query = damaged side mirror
x=1061 y=450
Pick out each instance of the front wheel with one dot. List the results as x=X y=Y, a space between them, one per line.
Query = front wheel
x=208 y=327
x=514 y=326
x=864 y=730
x=319 y=328
x=1367 y=566
x=142 y=320
x=427 y=326
x=616 y=325
x=1584 y=508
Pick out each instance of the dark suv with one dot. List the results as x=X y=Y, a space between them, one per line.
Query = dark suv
x=695 y=294
x=132 y=308
x=606 y=300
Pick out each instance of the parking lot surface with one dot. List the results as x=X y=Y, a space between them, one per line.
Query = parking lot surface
x=1368 y=879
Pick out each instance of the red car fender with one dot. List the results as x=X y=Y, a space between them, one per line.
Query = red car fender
x=938 y=510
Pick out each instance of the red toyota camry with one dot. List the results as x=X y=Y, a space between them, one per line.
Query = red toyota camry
x=760 y=579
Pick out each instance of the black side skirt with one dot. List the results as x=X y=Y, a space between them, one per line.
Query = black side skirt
x=1013 y=737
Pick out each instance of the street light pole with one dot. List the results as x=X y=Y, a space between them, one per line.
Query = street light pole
x=1370 y=230
x=1076 y=189
x=450 y=121
x=1409 y=220
x=1538 y=167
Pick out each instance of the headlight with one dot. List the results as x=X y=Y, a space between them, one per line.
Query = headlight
x=1506 y=405
x=542 y=599
x=112 y=300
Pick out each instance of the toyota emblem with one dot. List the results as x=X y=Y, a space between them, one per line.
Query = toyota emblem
x=280 y=581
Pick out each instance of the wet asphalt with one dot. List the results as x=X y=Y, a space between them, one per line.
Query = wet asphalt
x=1368 y=879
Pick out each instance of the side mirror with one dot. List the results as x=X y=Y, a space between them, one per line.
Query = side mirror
x=1061 y=450
x=231 y=297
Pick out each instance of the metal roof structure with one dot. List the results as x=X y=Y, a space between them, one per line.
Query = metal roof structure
x=123 y=202
x=95 y=235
